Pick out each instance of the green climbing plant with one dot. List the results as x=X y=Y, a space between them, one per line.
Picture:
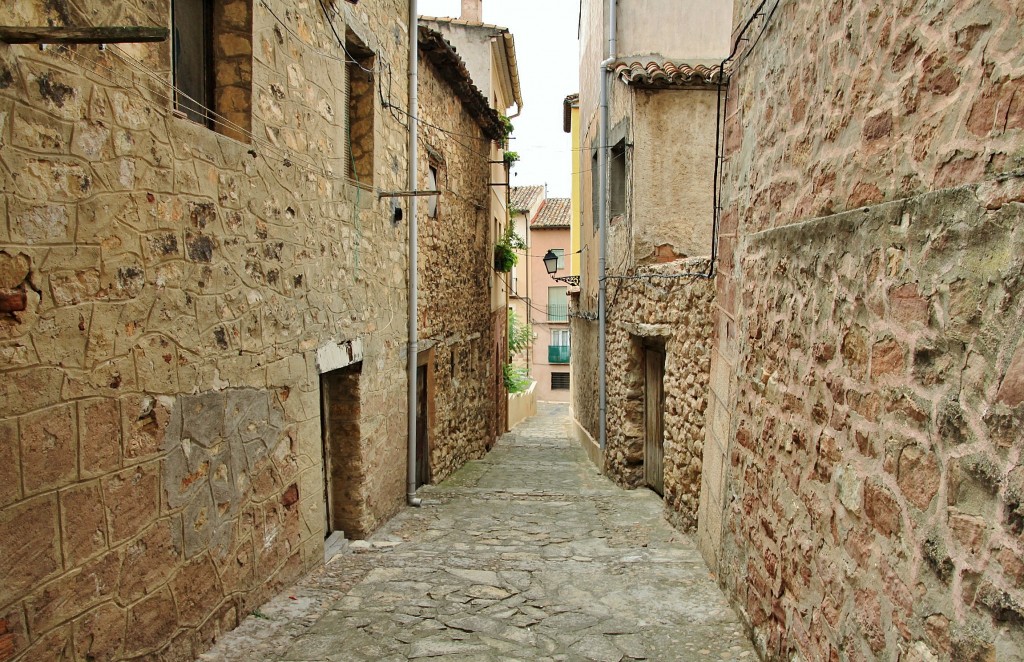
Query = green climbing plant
x=505 y=250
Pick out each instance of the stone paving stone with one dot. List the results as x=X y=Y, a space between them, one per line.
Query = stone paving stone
x=527 y=554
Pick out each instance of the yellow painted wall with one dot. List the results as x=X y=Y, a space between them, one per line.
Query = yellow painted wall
x=574 y=267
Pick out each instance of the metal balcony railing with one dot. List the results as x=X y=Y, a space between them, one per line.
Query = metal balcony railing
x=558 y=312
x=558 y=353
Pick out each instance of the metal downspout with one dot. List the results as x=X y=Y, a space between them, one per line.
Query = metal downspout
x=602 y=198
x=413 y=247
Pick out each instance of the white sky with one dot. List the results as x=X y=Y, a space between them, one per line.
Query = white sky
x=548 y=55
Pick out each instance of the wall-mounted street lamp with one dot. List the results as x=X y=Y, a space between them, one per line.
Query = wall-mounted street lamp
x=551 y=266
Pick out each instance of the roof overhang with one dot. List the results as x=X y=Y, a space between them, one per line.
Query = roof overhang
x=452 y=69
x=654 y=72
x=570 y=102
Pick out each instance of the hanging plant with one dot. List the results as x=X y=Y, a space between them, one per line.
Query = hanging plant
x=505 y=250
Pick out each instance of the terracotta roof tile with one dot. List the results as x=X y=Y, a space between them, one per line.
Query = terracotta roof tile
x=523 y=197
x=556 y=213
x=666 y=74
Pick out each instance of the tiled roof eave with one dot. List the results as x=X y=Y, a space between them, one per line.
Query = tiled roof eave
x=453 y=70
x=664 y=74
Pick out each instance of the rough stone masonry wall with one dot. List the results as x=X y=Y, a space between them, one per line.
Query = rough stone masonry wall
x=873 y=497
x=878 y=491
x=676 y=312
x=455 y=260
x=867 y=101
x=583 y=366
x=160 y=451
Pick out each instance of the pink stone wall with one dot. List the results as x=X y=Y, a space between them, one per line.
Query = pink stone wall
x=871 y=315
x=860 y=102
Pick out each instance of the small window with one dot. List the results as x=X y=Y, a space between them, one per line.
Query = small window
x=560 y=337
x=559 y=381
x=595 y=188
x=432 y=186
x=617 y=180
x=193 y=59
x=361 y=88
x=560 y=252
x=211 y=56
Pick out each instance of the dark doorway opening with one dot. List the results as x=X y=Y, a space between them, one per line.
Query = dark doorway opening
x=344 y=478
x=654 y=417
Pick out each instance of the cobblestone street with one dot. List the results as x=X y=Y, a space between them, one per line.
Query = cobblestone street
x=528 y=554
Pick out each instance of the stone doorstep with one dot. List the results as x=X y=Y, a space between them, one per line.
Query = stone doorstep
x=334 y=545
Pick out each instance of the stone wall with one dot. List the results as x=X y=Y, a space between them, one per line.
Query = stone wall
x=863 y=102
x=456 y=257
x=583 y=384
x=868 y=342
x=164 y=291
x=675 y=312
x=877 y=480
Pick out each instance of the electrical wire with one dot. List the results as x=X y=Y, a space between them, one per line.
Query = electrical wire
x=716 y=188
x=287 y=157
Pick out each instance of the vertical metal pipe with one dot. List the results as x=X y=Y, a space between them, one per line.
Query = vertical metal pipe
x=603 y=217
x=413 y=246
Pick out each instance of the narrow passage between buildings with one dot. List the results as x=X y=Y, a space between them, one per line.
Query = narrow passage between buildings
x=527 y=554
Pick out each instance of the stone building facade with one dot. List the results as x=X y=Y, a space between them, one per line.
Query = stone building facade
x=463 y=386
x=659 y=300
x=202 y=324
x=863 y=478
x=488 y=54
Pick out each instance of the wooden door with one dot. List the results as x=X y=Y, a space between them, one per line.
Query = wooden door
x=654 y=421
x=325 y=408
x=422 y=428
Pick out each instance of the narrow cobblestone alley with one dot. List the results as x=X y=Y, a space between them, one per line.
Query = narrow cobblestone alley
x=528 y=554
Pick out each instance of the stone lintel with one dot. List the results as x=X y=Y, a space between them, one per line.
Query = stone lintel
x=335 y=355
x=648 y=330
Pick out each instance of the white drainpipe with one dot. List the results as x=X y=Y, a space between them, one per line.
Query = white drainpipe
x=602 y=210
x=413 y=246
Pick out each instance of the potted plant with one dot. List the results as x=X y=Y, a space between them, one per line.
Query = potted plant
x=505 y=250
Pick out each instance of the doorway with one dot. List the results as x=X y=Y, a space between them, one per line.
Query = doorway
x=422 y=427
x=344 y=477
x=654 y=418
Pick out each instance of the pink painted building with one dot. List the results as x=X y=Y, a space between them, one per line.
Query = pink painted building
x=549 y=299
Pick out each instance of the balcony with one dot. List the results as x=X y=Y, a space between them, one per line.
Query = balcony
x=558 y=353
x=558 y=312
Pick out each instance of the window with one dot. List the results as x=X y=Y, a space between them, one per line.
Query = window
x=560 y=252
x=559 y=381
x=432 y=186
x=193 y=59
x=617 y=180
x=560 y=337
x=558 y=304
x=212 y=64
x=360 y=86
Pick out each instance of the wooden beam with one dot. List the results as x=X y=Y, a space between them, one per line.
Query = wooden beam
x=102 y=35
x=406 y=194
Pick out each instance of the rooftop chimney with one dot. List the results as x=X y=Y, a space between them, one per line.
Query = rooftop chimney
x=472 y=10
